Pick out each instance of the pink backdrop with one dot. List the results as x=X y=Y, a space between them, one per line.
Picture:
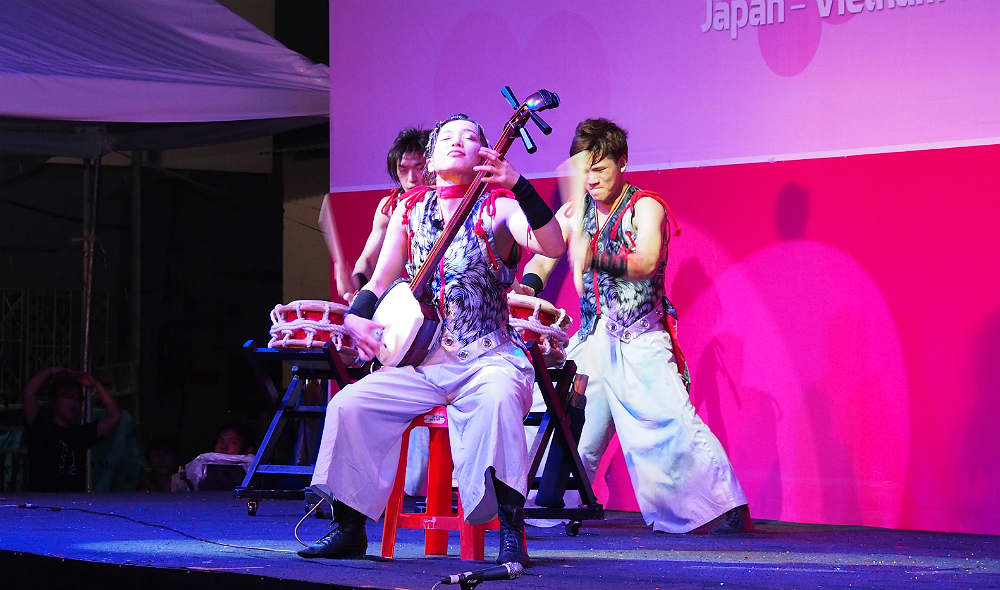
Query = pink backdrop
x=842 y=321
x=839 y=306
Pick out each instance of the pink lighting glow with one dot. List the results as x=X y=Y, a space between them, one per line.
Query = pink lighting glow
x=836 y=181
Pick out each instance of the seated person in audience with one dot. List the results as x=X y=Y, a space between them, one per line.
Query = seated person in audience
x=57 y=440
x=223 y=468
x=233 y=439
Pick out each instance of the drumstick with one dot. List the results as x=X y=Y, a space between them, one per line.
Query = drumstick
x=573 y=188
x=332 y=238
x=573 y=185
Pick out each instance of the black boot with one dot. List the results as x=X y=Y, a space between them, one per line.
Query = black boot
x=349 y=540
x=513 y=541
x=736 y=521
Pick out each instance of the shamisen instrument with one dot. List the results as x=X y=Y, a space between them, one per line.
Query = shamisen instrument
x=411 y=321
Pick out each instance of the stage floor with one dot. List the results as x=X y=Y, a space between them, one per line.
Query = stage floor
x=163 y=540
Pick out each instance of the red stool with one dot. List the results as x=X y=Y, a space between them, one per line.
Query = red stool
x=439 y=518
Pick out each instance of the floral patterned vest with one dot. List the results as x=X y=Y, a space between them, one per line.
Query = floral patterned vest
x=617 y=297
x=473 y=302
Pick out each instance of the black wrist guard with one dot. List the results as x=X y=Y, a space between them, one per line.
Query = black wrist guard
x=615 y=266
x=363 y=305
x=362 y=279
x=536 y=210
x=534 y=281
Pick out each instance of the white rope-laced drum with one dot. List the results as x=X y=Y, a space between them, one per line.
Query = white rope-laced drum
x=311 y=324
x=539 y=320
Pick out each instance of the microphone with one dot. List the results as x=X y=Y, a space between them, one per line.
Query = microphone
x=507 y=571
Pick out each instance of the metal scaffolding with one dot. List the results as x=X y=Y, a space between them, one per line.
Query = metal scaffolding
x=40 y=329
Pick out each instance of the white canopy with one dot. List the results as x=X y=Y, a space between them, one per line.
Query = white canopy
x=81 y=77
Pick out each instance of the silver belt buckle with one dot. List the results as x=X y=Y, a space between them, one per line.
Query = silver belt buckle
x=449 y=342
x=476 y=348
x=641 y=326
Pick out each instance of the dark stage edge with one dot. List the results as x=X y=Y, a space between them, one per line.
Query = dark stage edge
x=81 y=548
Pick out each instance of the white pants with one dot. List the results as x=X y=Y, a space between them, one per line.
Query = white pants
x=679 y=470
x=418 y=455
x=571 y=498
x=487 y=399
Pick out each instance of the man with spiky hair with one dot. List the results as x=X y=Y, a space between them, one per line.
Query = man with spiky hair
x=406 y=164
x=627 y=345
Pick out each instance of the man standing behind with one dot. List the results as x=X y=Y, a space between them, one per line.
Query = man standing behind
x=406 y=164
x=57 y=441
x=627 y=345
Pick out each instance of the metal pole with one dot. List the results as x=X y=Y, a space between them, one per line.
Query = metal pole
x=136 y=306
x=89 y=226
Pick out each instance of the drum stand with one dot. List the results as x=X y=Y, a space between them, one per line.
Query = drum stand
x=556 y=386
x=323 y=364
x=326 y=365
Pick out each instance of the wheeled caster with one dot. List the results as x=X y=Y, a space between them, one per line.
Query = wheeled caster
x=252 y=508
x=319 y=512
x=573 y=528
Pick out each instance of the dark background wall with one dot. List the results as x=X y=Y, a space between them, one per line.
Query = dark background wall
x=211 y=260
x=211 y=272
